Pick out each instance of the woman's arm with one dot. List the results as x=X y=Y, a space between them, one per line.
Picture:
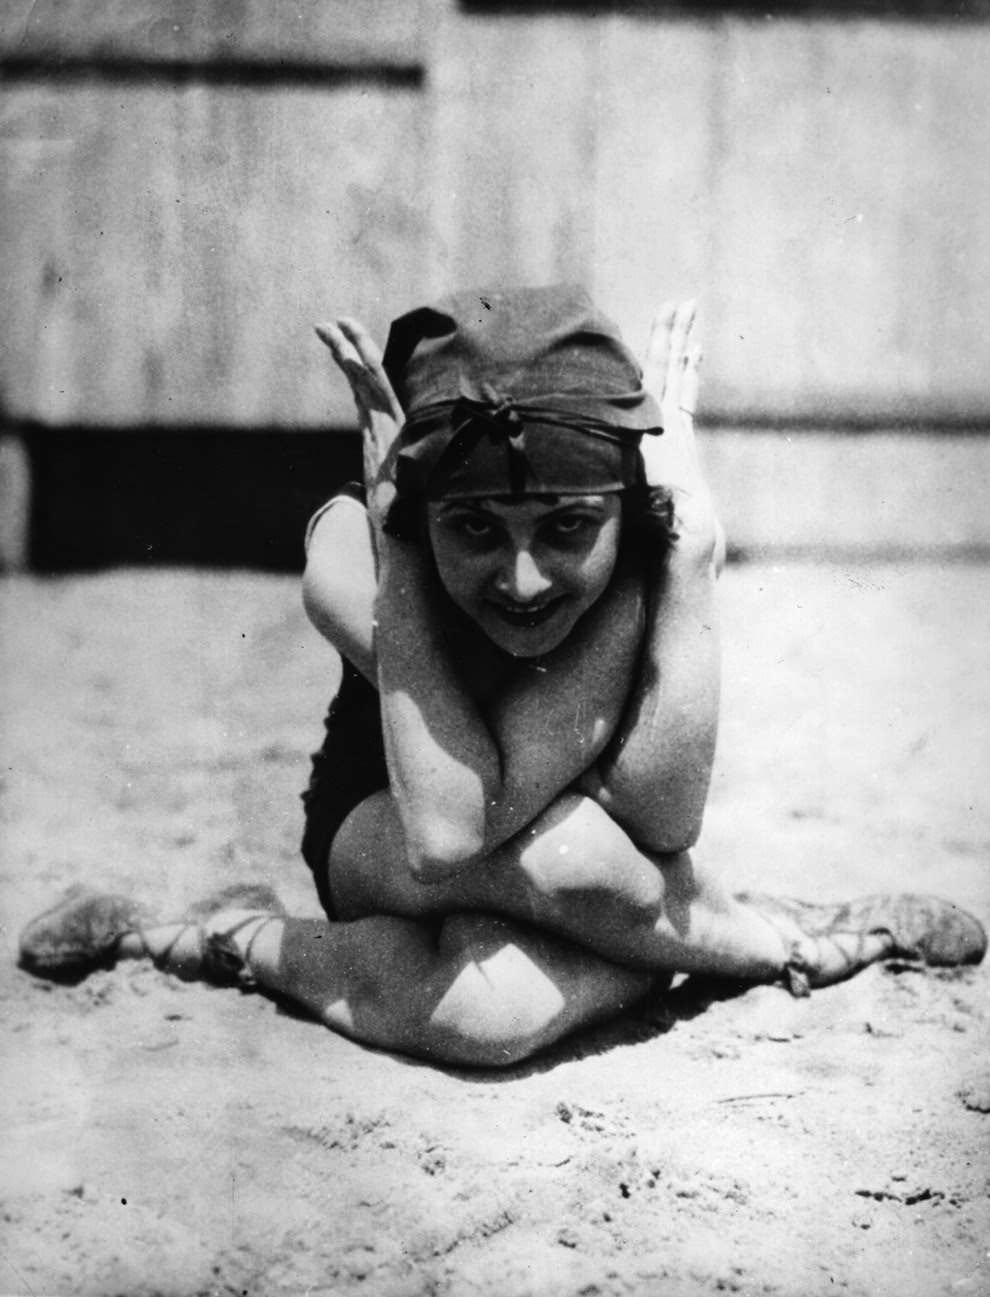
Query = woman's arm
x=442 y=766
x=553 y=720
x=438 y=760
x=466 y=780
x=340 y=583
x=654 y=776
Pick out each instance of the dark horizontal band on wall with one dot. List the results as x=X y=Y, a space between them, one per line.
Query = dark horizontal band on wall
x=853 y=424
x=94 y=497
x=102 y=497
x=720 y=420
x=672 y=10
x=277 y=72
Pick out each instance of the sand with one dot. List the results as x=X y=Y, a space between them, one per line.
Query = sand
x=166 y=1138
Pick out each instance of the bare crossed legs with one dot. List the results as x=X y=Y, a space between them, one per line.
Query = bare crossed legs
x=567 y=924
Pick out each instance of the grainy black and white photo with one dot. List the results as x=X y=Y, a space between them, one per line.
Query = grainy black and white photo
x=494 y=648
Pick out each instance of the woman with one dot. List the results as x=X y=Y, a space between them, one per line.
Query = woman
x=516 y=765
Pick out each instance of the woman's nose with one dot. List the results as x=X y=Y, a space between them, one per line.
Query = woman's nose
x=522 y=579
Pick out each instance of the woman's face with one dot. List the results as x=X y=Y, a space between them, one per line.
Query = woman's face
x=525 y=571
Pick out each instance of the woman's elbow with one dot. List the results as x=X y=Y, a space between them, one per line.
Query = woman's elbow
x=671 y=840
x=344 y=619
x=663 y=830
x=437 y=848
x=317 y=599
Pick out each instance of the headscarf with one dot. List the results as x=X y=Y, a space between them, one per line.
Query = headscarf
x=526 y=391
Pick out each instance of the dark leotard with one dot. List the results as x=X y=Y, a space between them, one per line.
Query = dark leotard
x=348 y=768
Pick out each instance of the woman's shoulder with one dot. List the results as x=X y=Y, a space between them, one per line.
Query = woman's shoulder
x=351 y=494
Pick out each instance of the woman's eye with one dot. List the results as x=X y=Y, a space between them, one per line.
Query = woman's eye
x=571 y=526
x=476 y=528
x=472 y=528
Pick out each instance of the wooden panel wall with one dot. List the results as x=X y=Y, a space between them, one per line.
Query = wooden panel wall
x=821 y=185
x=172 y=229
x=513 y=150
x=852 y=169
x=170 y=248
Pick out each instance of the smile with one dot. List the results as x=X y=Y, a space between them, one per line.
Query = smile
x=527 y=615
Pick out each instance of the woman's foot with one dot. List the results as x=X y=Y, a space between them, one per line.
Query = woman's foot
x=923 y=928
x=79 y=934
x=88 y=930
x=832 y=942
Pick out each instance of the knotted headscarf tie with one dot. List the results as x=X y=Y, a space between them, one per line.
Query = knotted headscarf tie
x=523 y=392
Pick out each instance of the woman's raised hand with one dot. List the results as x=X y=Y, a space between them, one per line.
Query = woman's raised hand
x=670 y=375
x=379 y=413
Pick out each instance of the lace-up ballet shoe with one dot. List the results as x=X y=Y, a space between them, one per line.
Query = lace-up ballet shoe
x=920 y=927
x=79 y=934
x=223 y=962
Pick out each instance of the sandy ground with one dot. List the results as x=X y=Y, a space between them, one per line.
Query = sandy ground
x=163 y=1138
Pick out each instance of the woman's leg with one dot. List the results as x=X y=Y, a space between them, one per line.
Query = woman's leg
x=469 y=989
x=576 y=873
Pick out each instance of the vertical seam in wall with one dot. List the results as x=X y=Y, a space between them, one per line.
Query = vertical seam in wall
x=717 y=90
x=433 y=146
x=601 y=30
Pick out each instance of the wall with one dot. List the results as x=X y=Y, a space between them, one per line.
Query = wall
x=181 y=206
x=186 y=187
x=821 y=183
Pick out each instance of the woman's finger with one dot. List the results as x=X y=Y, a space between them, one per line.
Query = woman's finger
x=658 y=350
x=370 y=357
x=680 y=334
x=342 y=351
x=689 y=381
x=359 y=360
x=347 y=360
x=379 y=412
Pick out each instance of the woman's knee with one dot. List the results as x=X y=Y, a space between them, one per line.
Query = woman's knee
x=576 y=849
x=498 y=1005
x=365 y=857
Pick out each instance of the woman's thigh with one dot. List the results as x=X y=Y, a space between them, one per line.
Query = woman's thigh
x=573 y=871
x=472 y=989
x=502 y=990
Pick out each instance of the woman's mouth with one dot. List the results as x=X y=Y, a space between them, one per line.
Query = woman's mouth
x=526 y=615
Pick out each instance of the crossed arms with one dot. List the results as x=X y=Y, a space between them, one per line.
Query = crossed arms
x=625 y=711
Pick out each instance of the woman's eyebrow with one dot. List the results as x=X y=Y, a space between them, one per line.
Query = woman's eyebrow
x=447 y=507
x=581 y=502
